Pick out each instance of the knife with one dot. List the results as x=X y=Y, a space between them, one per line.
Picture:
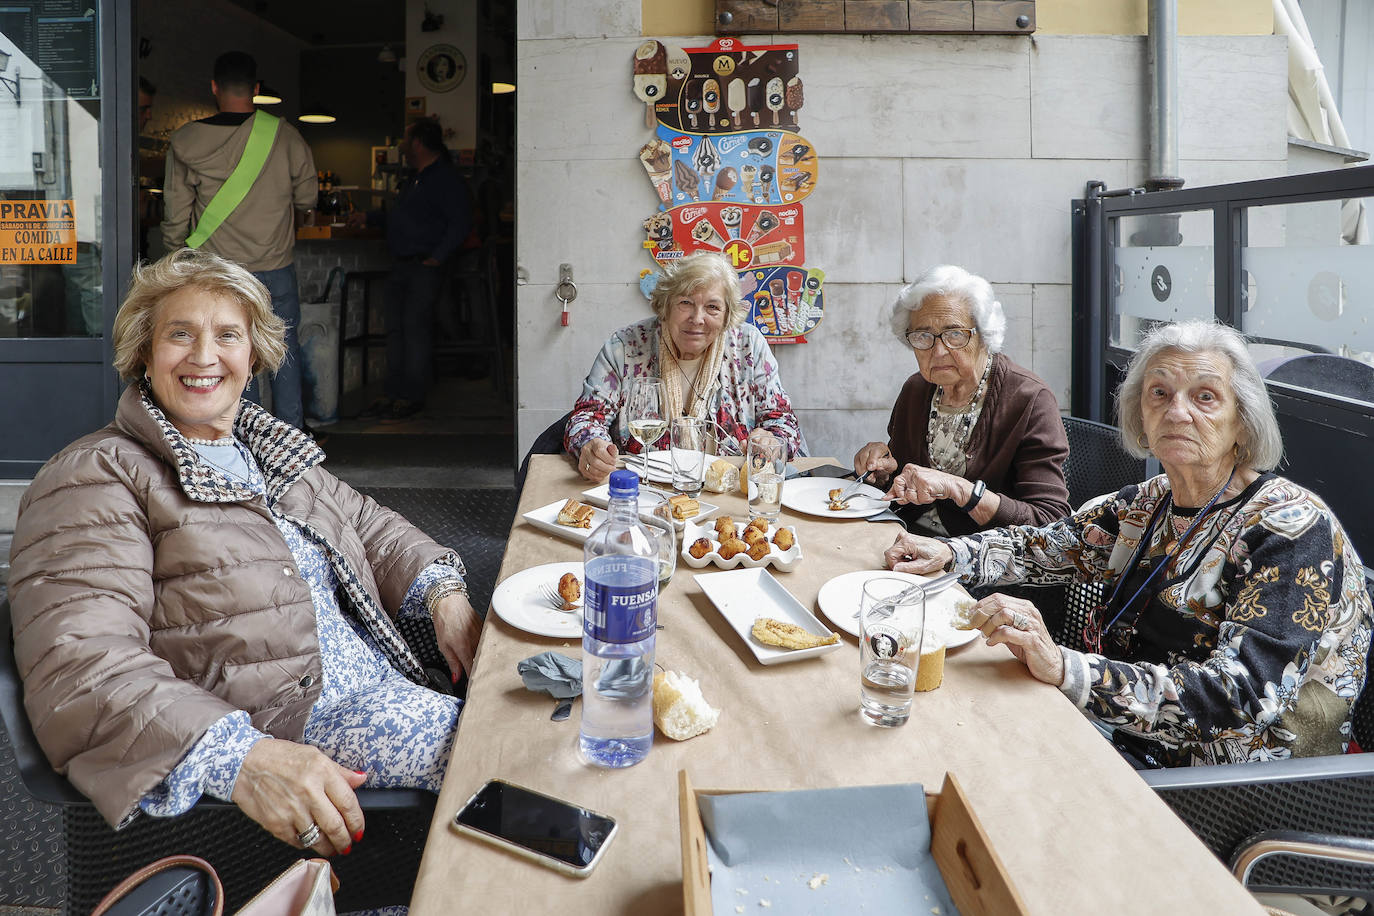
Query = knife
x=930 y=587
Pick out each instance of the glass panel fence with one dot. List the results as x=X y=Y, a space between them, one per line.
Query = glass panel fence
x=50 y=109
x=1161 y=271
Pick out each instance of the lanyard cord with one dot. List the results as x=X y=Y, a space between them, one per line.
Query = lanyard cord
x=1168 y=558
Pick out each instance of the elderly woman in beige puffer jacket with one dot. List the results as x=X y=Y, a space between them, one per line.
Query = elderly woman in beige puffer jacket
x=200 y=608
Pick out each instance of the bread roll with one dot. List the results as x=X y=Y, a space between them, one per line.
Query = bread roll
x=932 y=670
x=680 y=710
x=721 y=476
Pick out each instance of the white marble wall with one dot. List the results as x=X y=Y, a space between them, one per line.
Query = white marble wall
x=933 y=149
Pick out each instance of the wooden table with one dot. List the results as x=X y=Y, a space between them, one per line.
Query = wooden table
x=1076 y=828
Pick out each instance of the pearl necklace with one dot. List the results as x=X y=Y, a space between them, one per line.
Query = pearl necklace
x=226 y=440
x=958 y=425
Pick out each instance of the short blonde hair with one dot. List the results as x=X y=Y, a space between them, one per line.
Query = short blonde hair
x=689 y=274
x=189 y=267
x=1263 y=445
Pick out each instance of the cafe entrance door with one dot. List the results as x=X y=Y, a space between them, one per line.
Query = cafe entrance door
x=67 y=118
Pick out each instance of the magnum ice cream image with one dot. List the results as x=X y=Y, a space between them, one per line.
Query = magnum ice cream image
x=691 y=99
x=650 y=77
x=725 y=183
x=775 y=97
x=794 y=95
x=657 y=159
x=765 y=183
x=679 y=64
x=753 y=95
x=730 y=218
x=686 y=179
x=764 y=223
x=734 y=100
x=750 y=174
x=710 y=100
x=707 y=235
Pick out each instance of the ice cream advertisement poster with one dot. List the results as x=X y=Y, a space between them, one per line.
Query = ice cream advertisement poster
x=785 y=303
x=749 y=236
x=751 y=167
x=722 y=88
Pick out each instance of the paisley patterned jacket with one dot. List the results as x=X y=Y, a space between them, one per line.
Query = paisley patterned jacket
x=750 y=395
x=1249 y=646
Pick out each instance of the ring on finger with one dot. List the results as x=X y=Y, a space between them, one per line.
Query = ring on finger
x=309 y=836
x=1021 y=620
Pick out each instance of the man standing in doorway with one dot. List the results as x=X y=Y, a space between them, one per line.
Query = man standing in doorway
x=233 y=183
x=430 y=219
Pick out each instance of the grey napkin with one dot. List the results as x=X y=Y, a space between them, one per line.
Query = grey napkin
x=552 y=673
x=844 y=850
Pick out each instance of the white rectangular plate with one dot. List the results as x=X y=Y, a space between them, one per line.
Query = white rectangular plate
x=782 y=559
x=743 y=595
x=600 y=496
x=546 y=518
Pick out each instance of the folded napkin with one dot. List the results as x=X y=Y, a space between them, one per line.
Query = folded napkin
x=552 y=673
x=844 y=850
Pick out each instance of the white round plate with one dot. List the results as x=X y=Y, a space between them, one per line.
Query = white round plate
x=839 y=599
x=811 y=496
x=520 y=602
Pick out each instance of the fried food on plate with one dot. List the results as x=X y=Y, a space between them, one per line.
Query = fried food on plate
x=773 y=632
x=759 y=523
x=759 y=549
x=725 y=527
x=753 y=535
x=570 y=590
x=684 y=507
x=732 y=546
x=784 y=539
x=575 y=515
x=700 y=548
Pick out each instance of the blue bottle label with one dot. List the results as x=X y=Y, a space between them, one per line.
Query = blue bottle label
x=620 y=604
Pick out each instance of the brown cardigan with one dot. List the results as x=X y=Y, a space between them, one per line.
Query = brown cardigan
x=1017 y=448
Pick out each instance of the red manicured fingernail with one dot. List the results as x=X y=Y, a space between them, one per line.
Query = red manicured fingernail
x=357 y=837
x=455 y=678
x=348 y=850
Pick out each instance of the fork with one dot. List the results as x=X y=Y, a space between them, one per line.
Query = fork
x=930 y=587
x=552 y=597
x=852 y=490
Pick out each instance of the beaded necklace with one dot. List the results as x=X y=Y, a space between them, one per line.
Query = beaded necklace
x=956 y=426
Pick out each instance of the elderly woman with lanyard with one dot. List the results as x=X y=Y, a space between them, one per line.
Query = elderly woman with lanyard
x=977 y=437
x=201 y=608
x=1237 y=623
x=713 y=363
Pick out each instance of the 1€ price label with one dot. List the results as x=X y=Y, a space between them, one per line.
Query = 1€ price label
x=740 y=253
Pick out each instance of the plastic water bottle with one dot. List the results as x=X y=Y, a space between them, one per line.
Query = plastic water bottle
x=620 y=610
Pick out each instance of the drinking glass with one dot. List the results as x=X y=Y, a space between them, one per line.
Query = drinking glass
x=645 y=410
x=689 y=455
x=892 y=616
x=766 y=463
x=657 y=512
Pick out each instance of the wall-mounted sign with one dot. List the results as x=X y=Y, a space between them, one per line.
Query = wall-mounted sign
x=37 y=232
x=61 y=38
x=441 y=68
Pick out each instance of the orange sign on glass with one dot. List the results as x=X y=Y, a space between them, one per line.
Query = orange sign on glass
x=37 y=232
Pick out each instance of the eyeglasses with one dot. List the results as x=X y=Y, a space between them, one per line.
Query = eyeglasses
x=954 y=338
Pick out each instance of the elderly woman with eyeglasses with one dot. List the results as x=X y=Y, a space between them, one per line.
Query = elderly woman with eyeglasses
x=978 y=438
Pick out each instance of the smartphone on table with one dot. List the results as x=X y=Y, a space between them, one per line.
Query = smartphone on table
x=548 y=830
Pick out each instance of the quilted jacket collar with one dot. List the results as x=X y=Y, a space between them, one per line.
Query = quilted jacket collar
x=283 y=452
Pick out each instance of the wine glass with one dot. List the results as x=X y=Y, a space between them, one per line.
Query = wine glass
x=646 y=409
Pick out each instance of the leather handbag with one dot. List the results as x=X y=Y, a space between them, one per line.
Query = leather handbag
x=174 y=886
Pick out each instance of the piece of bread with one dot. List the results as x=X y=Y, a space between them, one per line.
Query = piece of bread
x=680 y=710
x=788 y=635
x=570 y=590
x=575 y=515
x=721 y=476
x=700 y=548
x=962 y=618
x=684 y=507
x=759 y=549
x=931 y=672
x=784 y=539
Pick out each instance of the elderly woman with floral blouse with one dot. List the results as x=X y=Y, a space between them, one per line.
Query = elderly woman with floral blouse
x=713 y=364
x=1236 y=623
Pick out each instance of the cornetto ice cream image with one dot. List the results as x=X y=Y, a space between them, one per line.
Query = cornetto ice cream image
x=725 y=183
x=730 y=218
x=764 y=223
x=706 y=234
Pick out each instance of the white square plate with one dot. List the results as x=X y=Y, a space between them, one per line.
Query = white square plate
x=743 y=595
x=546 y=518
x=600 y=496
x=782 y=559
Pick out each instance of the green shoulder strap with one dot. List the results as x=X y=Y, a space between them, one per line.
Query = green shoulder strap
x=232 y=192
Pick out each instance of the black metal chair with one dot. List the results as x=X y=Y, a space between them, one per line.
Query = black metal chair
x=1233 y=807
x=549 y=442
x=379 y=872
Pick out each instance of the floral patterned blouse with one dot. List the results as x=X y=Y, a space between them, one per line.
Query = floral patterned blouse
x=1250 y=647
x=750 y=393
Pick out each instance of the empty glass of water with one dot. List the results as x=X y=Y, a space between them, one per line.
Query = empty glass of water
x=766 y=463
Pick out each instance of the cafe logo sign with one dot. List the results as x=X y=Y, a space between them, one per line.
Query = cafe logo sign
x=1161 y=284
x=441 y=68
x=37 y=232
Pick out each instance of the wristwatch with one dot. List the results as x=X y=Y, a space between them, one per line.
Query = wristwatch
x=979 y=489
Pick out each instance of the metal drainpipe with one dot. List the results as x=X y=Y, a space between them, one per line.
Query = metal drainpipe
x=1163 y=63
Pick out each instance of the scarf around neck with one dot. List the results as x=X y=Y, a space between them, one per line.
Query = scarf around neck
x=671 y=372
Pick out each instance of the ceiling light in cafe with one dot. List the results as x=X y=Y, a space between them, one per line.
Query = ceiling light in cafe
x=317 y=114
x=386 y=55
x=502 y=88
x=266 y=95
